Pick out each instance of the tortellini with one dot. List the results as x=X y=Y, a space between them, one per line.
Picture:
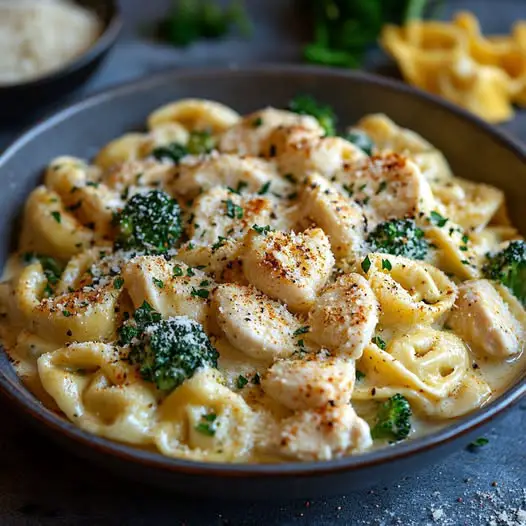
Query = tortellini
x=289 y=301
x=409 y=292
x=204 y=401
x=431 y=368
x=99 y=392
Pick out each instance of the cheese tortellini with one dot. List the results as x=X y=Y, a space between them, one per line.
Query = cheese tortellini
x=252 y=289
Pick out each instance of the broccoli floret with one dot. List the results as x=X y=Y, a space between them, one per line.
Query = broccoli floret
x=509 y=268
x=200 y=142
x=361 y=139
x=149 y=222
x=307 y=105
x=399 y=237
x=170 y=351
x=172 y=152
x=393 y=420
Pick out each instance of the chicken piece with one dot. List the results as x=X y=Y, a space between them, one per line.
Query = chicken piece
x=299 y=151
x=195 y=175
x=387 y=186
x=253 y=323
x=130 y=177
x=250 y=135
x=485 y=321
x=344 y=316
x=324 y=434
x=173 y=289
x=287 y=266
x=341 y=219
x=220 y=214
x=310 y=382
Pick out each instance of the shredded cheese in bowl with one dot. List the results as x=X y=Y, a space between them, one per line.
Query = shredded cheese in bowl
x=38 y=37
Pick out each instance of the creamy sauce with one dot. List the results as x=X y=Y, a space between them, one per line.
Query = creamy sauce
x=287 y=353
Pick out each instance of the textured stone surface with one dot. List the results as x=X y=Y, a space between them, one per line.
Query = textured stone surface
x=41 y=484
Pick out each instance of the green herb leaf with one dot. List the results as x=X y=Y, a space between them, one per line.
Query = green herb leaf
x=478 y=443
x=359 y=375
x=301 y=330
x=386 y=264
x=241 y=381
x=377 y=340
x=366 y=264
x=262 y=229
x=56 y=216
x=158 y=283
x=200 y=293
x=232 y=210
x=437 y=219
x=118 y=283
x=264 y=189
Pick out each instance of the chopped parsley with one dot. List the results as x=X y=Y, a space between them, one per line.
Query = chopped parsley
x=158 y=283
x=301 y=330
x=262 y=229
x=207 y=425
x=437 y=219
x=478 y=443
x=219 y=243
x=349 y=189
x=178 y=271
x=56 y=216
x=381 y=187
x=359 y=375
x=386 y=264
x=240 y=187
x=232 y=210
x=66 y=313
x=366 y=264
x=241 y=381
x=118 y=283
x=264 y=189
x=256 y=379
x=377 y=340
x=257 y=122
x=200 y=293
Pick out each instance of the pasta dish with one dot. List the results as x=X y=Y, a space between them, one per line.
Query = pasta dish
x=264 y=288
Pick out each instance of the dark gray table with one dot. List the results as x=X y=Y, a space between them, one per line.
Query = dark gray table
x=41 y=484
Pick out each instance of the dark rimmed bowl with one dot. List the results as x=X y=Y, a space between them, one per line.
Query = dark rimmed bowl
x=17 y=100
x=475 y=149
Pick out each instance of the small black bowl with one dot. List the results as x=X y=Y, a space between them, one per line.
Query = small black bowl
x=17 y=100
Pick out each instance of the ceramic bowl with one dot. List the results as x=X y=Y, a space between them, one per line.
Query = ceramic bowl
x=476 y=151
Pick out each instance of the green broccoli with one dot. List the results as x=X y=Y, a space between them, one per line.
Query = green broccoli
x=361 y=139
x=168 y=351
x=200 y=142
x=172 y=151
x=393 y=420
x=307 y=105
x=149 y=222
x=399 y=237
x=509 y=268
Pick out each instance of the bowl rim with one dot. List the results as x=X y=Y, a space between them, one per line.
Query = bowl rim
x=103 y=42
x=20 y=396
